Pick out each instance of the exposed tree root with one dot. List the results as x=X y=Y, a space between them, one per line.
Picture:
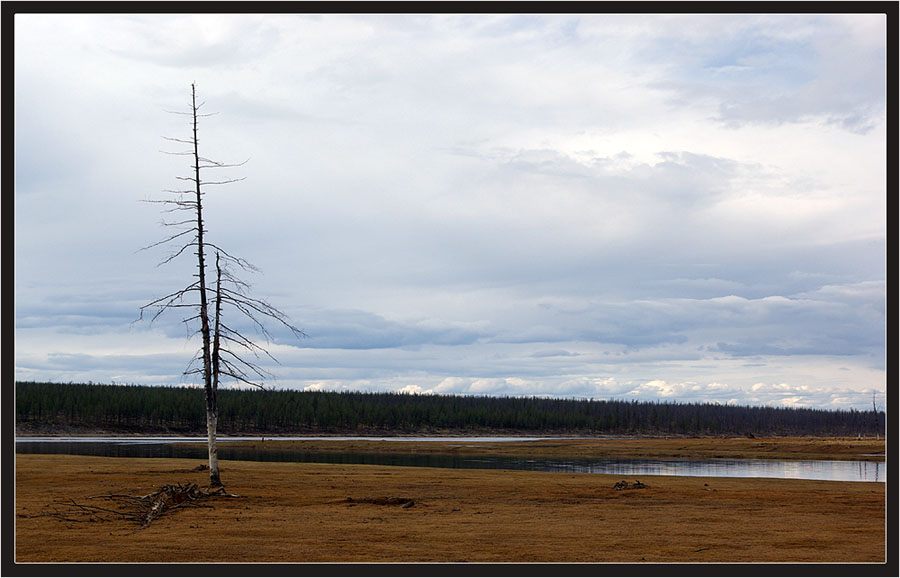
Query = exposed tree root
x=140 y=509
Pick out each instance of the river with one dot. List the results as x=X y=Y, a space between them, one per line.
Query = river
x=169 y=447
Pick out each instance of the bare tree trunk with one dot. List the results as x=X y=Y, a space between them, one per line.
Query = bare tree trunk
x=212 y=418
x=211 y=411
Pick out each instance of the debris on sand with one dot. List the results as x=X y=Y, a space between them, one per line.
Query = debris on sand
x=141 y=509
x=623 y=485
x=394 y=501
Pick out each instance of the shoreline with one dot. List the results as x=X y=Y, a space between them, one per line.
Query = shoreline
x=28 y=429
x=620 y=447
x=706 y=448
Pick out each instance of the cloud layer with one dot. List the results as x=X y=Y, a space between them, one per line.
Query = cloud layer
x=679 y=207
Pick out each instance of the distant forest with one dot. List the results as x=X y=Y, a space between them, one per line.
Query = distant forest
x=73 y=408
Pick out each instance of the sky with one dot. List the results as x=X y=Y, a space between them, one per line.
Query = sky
x=674 y=208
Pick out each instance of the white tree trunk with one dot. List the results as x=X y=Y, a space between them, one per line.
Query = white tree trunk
x=211 y=422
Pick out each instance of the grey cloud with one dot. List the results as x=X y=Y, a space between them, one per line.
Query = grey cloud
x=759 y=72
x=553 y=353
x=734 y=325
x=82 y=314
x=689 y=177
x=353 y=329
x=180 y=42
x=700 y=288
x=335 y=329
x=149 y=369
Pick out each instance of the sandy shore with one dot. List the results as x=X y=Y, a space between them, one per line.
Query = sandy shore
x=294 y=512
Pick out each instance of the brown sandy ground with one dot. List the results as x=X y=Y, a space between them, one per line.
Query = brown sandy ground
x=295 y=512
x=809 y=448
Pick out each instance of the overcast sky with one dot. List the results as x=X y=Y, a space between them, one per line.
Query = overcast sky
x=676 y=207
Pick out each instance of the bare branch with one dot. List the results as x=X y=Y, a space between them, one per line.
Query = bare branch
x=178 y=201
x=171 y=296
x=220 y=165
x=232 y=336
x=248 y=304
x=179 y=223
x=168 y=239
x=181 y=140
x=223 y=182
x=242 y=263
x=177 y=253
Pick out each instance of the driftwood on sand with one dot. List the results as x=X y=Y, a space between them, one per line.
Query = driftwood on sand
x=140 y=509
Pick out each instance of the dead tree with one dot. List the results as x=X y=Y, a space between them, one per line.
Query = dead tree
x=875 y=413
x=225 y=351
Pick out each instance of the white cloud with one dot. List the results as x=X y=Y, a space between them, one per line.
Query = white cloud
x=412 y=389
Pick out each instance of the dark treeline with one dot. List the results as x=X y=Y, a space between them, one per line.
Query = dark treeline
x=57 y=407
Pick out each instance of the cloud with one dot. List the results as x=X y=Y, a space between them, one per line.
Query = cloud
x=570 y=204
x=553 y=353
x=766 y=394
x=773 y=69
x=412 y=389
x=353 y=329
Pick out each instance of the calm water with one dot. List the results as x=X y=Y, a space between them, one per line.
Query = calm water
x=834 y=470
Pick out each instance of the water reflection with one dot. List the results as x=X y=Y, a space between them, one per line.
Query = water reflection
x=181 y=439
x=834 y=470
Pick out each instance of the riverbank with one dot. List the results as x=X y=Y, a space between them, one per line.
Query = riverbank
x=812 y=448
x=295 y=512
x=562 y=447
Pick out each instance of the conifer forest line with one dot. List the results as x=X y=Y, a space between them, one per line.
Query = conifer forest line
x=140 y=409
